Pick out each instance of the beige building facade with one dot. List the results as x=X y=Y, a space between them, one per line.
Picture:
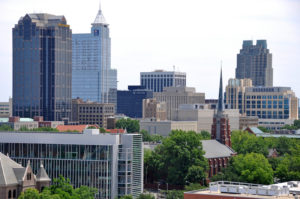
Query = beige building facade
x=174 y=96
x=154 y=109
x=269 y=104
x=86 y=112
x=6 y=108
x=204 y=116
x=163 y=128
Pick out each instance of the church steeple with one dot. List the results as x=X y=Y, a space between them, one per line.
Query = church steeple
x=100 y=19
x=220 y=99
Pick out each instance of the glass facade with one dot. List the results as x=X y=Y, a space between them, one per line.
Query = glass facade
x=130 y=102
x=113 y=164
x=92 y=76
x=157 y=80
x=42 y=67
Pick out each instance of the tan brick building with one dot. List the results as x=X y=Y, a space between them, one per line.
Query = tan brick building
x=86 y=112
x=174 y=96
x=154 y=109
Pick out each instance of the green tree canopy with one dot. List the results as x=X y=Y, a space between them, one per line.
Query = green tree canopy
x=244 y=142
x=132 y=126
x=251 y=167
x=178 y=159
x=29 y=194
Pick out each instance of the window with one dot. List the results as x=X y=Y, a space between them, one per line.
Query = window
x=9 y=194
x=28 y=176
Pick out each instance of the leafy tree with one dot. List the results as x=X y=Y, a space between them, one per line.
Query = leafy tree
x=150 y=138
x=132 y=126
x=263 y=129
x=178 y=158
x=205 y=135
x=85 y=192
x=244 y=142
x=92 y=127
x=252 y=168
x=5 y=127
x=193 y=186
x=297 y=124
x=288 y=168
x=146 y=196
x=102 y=130
x=174 y=194
x=29 y=194
x=126 y=197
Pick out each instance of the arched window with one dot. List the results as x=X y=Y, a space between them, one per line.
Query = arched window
x=14 y=194
x=9 y=194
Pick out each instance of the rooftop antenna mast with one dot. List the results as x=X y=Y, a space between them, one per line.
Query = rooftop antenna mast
x=174 y=68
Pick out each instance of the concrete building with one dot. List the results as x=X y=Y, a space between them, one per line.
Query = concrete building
x=42 y=67
x=6 y=108
x=154 y=109
x=255 y=62
x=274 y=106
x=240 y=190
x=87 y=112
x=15 y=179
x=174 y=96
x=159 y=79
x=17 y=123
x=130 y=103
x=163 y=128
x=111 y=163
x=92 y=76
x=203 y=114
x=248 y=121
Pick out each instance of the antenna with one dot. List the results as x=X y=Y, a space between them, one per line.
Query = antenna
x=174 y=68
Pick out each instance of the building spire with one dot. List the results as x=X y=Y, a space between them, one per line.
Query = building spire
x=100 y=19
x=220 y=99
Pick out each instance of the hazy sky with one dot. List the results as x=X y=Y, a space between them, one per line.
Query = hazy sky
x=193 y=35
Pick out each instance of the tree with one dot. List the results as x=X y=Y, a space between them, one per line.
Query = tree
x=85 y=192
x=102 y=130
x=178 y=158
x=252 y=168
x=5 y=127
x=132 y=126
x=29 y=194
x=126 y=197
x=244 y=142
x=263 y=129
x=205 y=135
x=288 y=168
x=146 y=196
x=150 y=138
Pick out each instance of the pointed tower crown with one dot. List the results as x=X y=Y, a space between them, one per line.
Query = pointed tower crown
x=220 y=99
x=100 y=19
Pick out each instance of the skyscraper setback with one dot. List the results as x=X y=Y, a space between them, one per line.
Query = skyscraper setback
x=255 y=62
x=92 y=76
x=42 y=67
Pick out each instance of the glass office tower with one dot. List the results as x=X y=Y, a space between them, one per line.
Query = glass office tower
x=42 y=67
x=92 y=76
x=111 y=163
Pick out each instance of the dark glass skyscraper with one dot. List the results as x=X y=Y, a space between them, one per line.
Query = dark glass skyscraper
x=255 y=62
x=42 y=67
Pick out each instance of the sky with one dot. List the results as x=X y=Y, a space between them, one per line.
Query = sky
x=192 y=35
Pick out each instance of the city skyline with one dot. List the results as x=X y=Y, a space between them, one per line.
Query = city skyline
x=193 y=36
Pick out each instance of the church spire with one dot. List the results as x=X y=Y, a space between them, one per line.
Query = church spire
x=100 y=19
x=220 y=99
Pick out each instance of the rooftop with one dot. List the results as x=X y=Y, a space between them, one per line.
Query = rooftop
x=214 y=149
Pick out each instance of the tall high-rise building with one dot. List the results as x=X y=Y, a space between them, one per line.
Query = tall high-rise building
x=159 y=79
x=42 y=67
x=255 y=62
x=92 y=76
x=221 y=128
